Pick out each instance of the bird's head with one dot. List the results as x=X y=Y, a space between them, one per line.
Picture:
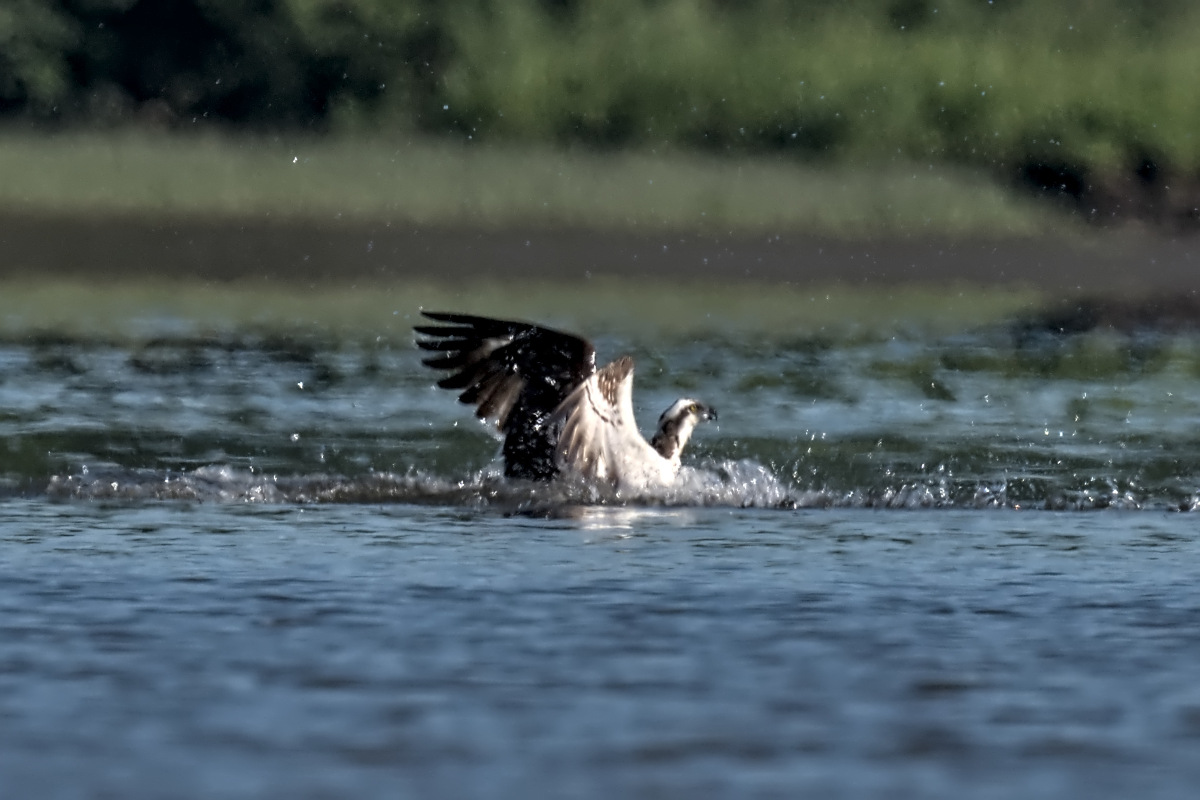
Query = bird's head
x=676 y=424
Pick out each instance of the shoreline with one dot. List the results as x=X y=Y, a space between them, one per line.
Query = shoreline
x=115 y=246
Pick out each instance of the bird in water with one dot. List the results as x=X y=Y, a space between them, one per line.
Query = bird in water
x=560 y=416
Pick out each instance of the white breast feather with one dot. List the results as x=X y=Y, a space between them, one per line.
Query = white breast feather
x=599 y=440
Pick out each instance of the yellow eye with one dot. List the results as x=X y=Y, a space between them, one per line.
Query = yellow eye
x=693 y=408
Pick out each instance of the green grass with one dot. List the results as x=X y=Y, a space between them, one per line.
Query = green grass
x=423 y=182
x=127 y=311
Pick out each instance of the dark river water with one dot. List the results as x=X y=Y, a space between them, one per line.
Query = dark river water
x=903 y=565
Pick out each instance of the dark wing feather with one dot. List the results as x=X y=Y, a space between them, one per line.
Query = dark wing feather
x=514 y=372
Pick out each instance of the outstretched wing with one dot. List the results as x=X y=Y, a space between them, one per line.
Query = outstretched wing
x=513 y=372
x=599 y=439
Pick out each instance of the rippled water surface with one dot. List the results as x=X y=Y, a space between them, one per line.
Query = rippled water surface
x=903 y=565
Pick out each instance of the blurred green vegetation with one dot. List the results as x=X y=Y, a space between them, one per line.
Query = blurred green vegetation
x=435 y=182
x=1057 y=92
x=145 y=310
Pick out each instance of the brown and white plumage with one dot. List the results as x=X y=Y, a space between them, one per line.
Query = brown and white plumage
x=558 y=413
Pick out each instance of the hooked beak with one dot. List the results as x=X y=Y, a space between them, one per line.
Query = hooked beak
x=708 y=412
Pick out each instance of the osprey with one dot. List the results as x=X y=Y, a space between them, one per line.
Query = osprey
x=559 y=414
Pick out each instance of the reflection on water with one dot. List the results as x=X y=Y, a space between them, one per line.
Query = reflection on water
x=981 y=420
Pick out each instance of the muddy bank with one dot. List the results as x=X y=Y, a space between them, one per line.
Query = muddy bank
x=1112 y=264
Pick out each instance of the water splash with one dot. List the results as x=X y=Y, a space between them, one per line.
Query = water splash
x=728 y=483
x=732 y=483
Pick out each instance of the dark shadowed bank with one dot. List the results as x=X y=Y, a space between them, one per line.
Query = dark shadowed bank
x=1126 y=264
